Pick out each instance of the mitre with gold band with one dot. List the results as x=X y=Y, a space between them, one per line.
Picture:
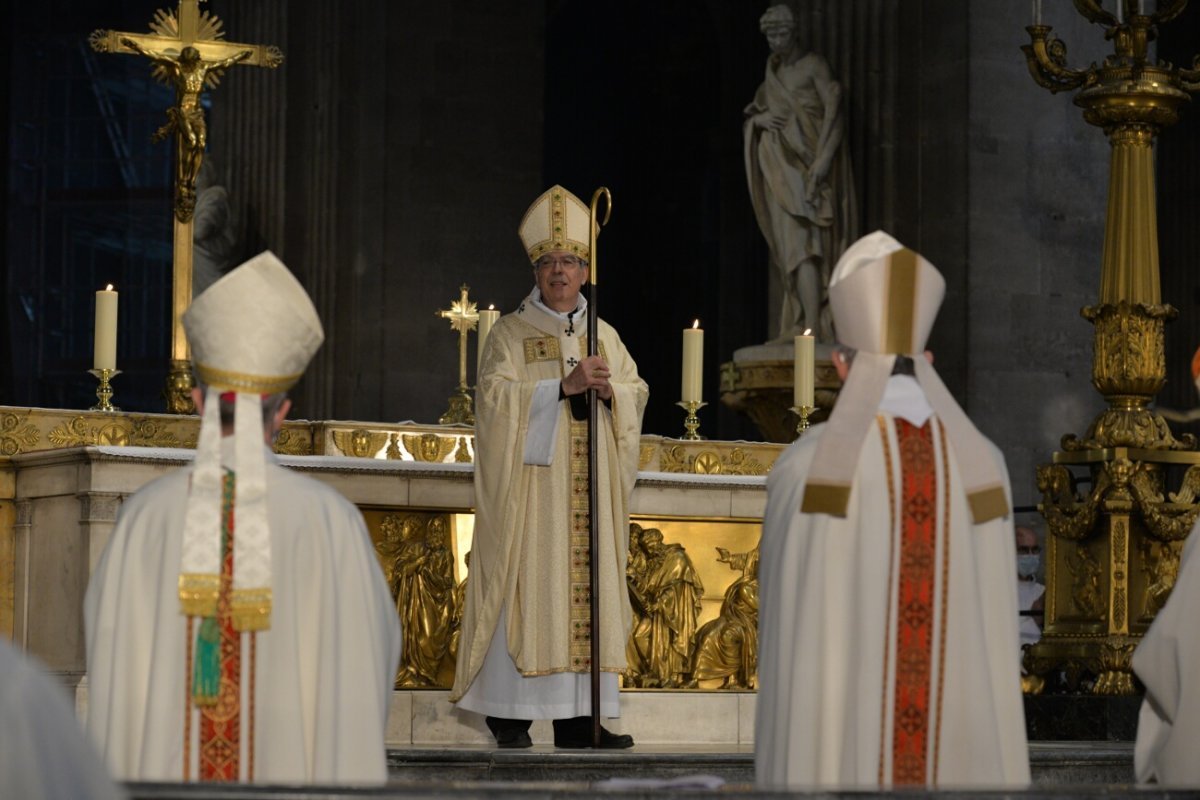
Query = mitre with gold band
x=558 y=220
x=252 y=333
x=885 y=298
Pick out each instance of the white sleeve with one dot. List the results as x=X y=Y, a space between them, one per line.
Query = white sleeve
x=544 y=417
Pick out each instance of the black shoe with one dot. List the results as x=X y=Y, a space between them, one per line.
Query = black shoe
x=513 y=739
x=510 y=733
x=576 y=734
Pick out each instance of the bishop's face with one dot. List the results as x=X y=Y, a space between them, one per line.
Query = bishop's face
x=560 y=275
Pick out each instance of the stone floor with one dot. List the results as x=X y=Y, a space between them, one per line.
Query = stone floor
x=1060 y=769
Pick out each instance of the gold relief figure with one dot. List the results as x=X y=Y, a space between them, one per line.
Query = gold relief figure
x=360 y=442
x=422 y=582
x=428 y=446
x=460 y=603
x=727 y=647
x=671 y=592
x=189 y=74
x=639 y=637
x=1160 y=562
x=1085 y=580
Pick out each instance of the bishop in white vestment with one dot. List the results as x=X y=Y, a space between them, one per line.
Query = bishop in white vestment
x=889 y=618
x=239 y=627
x=524 y=649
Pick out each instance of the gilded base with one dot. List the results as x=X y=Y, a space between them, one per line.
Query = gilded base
x=461 y=410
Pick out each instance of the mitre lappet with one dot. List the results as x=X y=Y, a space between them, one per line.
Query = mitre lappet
x=885 y=298
x=252 y=333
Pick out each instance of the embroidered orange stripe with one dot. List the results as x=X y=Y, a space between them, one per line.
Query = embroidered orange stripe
x=914 y=610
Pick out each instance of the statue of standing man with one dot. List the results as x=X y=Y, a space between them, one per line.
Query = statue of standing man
x=799 y=174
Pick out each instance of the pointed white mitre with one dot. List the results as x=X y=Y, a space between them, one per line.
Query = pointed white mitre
x=885 y=299
x=558 y=220
x=253 y=333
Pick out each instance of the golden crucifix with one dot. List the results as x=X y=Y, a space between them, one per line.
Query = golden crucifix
x=189 y=52
x=463 y=317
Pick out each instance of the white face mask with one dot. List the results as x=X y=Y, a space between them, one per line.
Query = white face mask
x=1027 y=564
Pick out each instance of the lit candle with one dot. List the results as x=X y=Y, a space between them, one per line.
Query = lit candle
x=692 y=386
x=1037 y=12
x=105 y=353
x=802 y=393
x=487 y=318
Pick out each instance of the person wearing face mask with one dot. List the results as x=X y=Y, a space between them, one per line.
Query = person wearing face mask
x=1030 y=593
x=525 y=644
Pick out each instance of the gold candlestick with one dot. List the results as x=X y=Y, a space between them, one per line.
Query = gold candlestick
x=803 y=412
x=104 y=391
x=691 y=422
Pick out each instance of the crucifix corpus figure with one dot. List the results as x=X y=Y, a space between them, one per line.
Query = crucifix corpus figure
x=189 y=73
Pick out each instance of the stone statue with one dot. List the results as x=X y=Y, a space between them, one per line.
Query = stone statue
x=214 y=232
x=671 y=592
x=189 y=73
x=727 y=647
x=799 y=175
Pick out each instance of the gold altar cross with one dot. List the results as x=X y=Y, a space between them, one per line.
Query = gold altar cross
x=463 y=318
x=189 y=52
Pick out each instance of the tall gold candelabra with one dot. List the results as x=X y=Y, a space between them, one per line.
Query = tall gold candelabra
x=1112 y=556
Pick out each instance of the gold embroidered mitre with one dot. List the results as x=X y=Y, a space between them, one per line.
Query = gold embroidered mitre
x=252 y=333
x=558 y=220
x=885 y=298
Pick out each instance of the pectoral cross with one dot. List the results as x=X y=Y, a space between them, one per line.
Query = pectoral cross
x=463 y=317
x=189 y=52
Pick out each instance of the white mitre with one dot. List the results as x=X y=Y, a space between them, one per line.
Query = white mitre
x=253 y=333
x=557 y=220
x=884 y=299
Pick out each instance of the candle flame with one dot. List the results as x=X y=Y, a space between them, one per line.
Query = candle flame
x=491 y=307
x=696 y=324
x=808 y=331
x=109 y=289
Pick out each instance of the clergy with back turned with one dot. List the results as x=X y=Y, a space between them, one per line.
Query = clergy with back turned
x=888 y=606
x=239 y=627
x=525 y=644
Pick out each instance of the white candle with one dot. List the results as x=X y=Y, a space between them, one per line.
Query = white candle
x=692 y=385
x=487 y=318
x=105 y=336
x=802 y=394
x=1037 y=12
x=1120 y=11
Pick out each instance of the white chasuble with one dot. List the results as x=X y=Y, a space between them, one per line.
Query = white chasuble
x=309 y=702
x=887 y=637
x=527 y=606
x=1167 y=661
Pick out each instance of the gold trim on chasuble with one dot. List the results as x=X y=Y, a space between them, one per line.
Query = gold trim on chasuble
x=888 y=468
x=581 y=545
x=542 y=348
x=947 y=486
